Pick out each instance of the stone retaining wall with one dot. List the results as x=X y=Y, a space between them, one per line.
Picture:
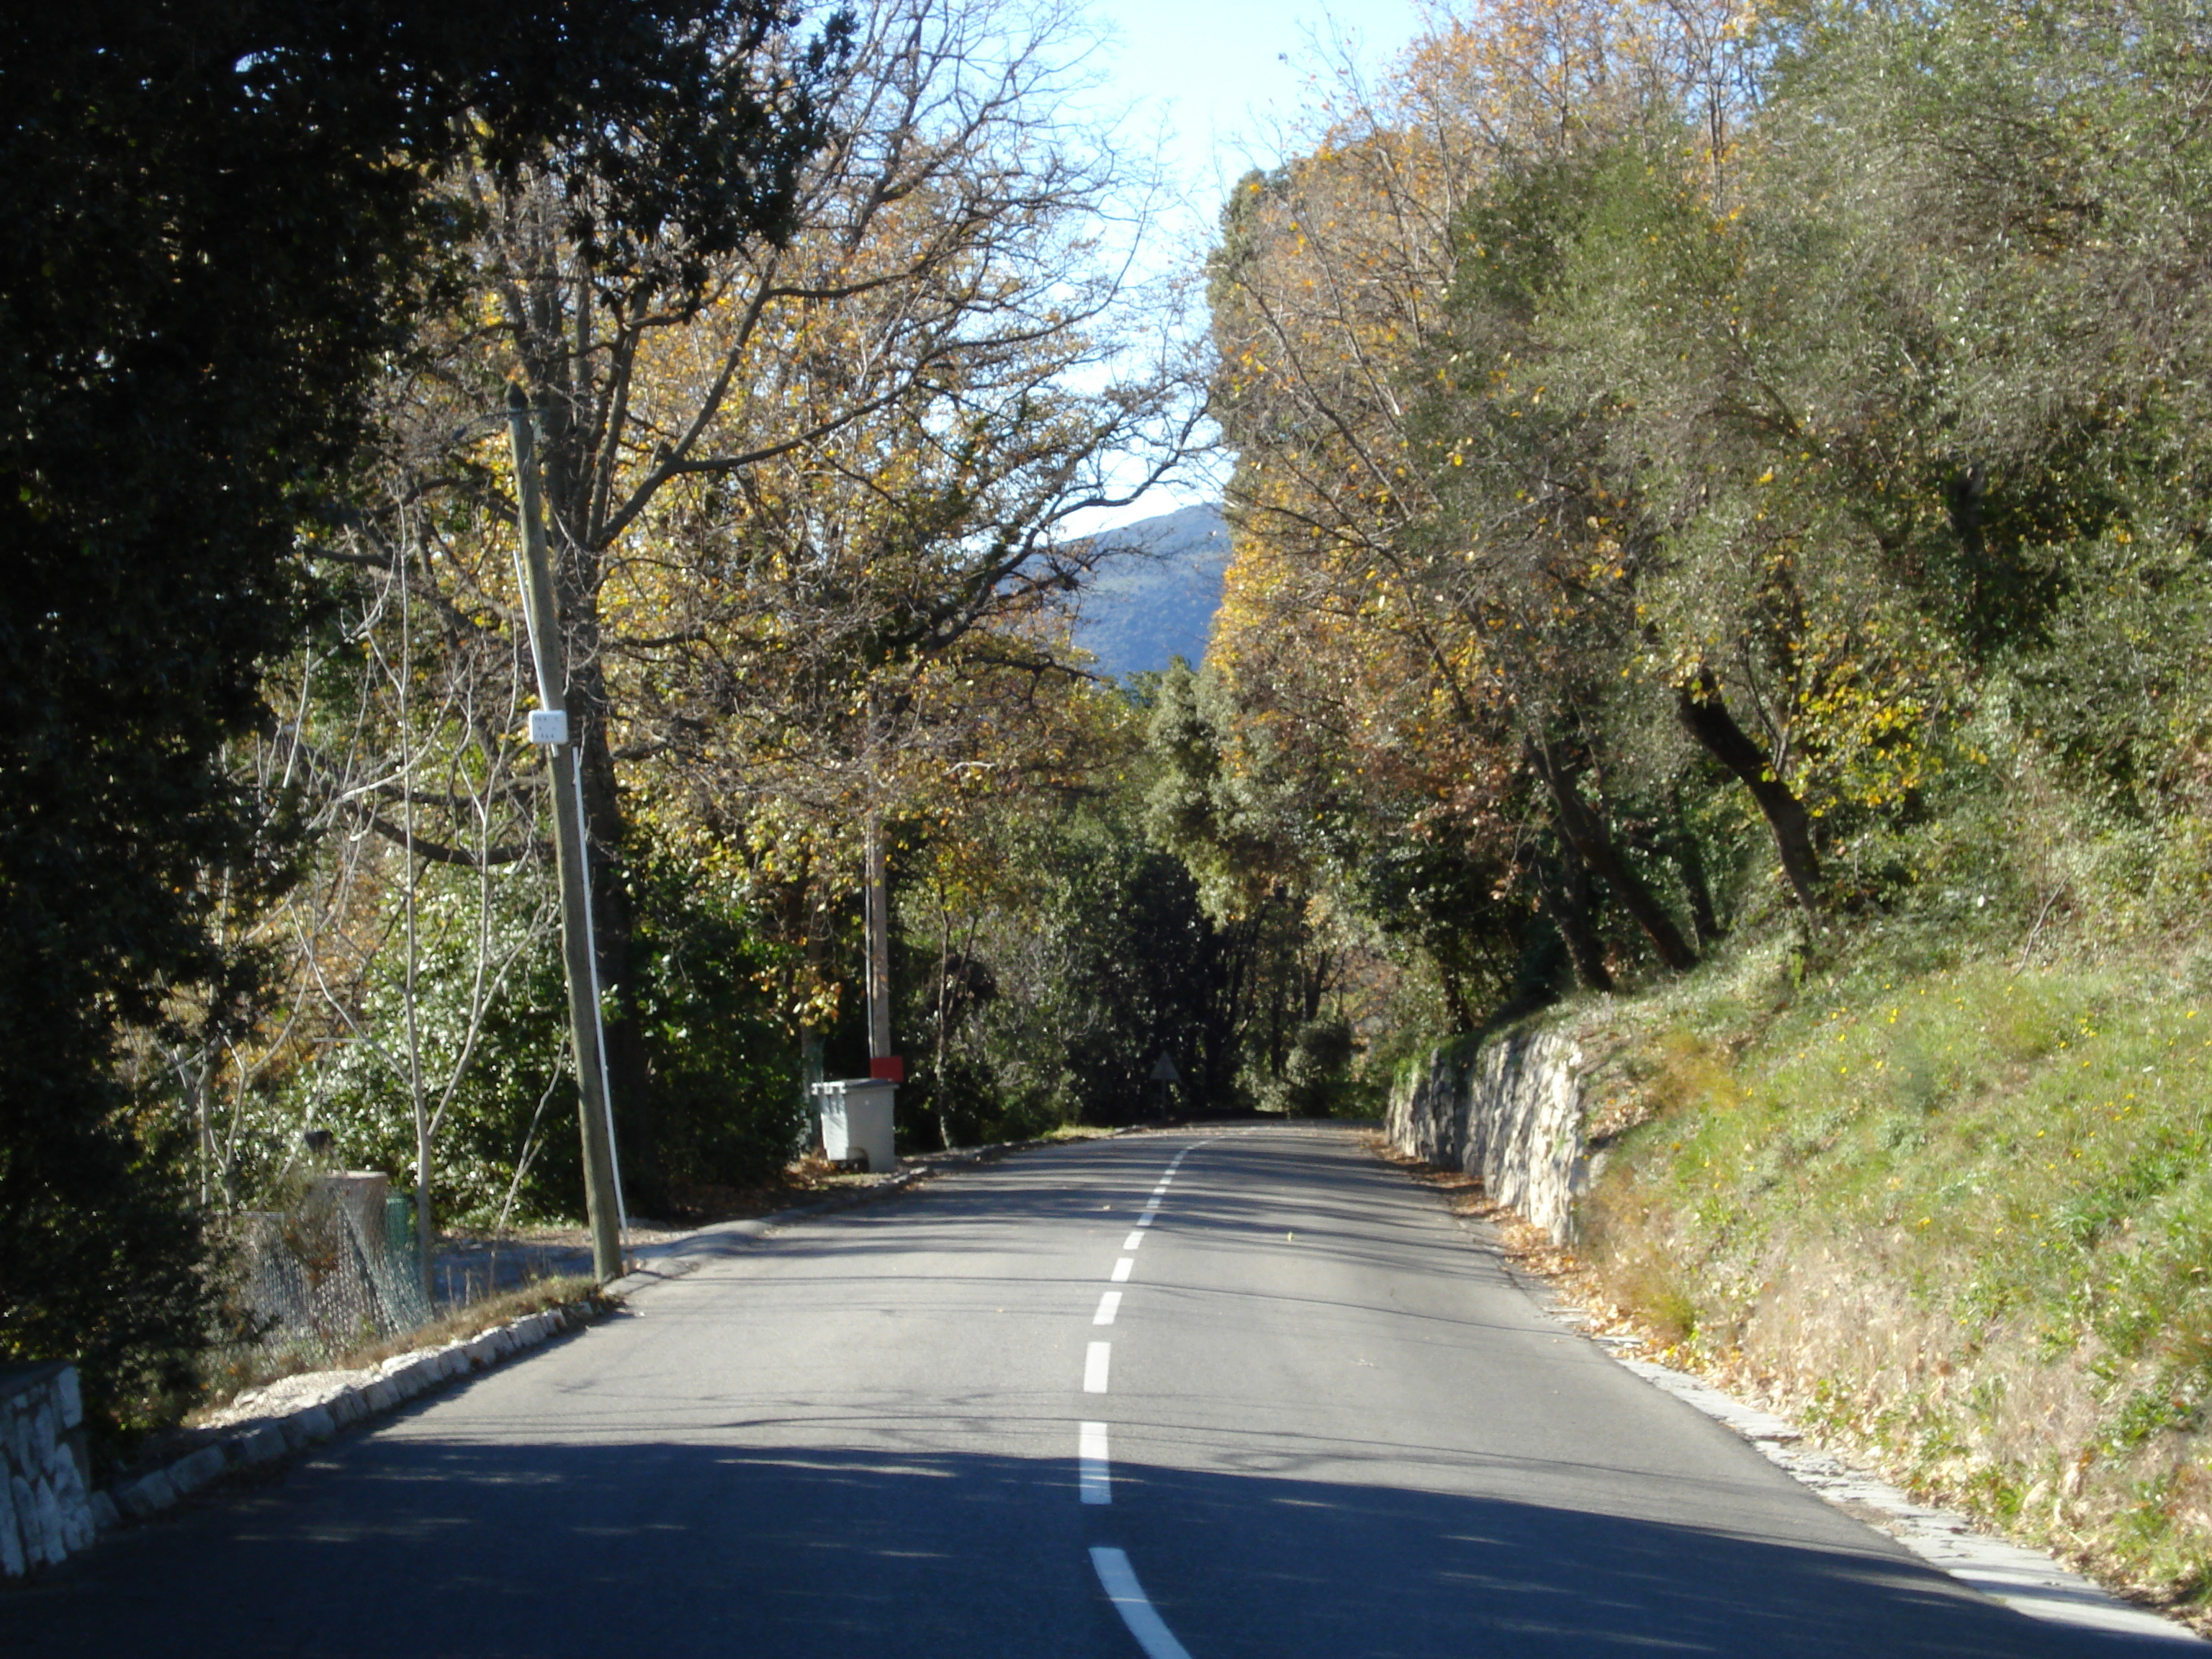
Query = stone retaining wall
x=46 y=1512
x=1511 y=1113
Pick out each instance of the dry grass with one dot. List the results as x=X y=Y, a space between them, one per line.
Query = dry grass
x=1826 y=1324
x=1955 y=1218
x=458 y=1325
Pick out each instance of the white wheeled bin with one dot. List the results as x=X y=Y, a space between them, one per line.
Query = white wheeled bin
x=856 y=1121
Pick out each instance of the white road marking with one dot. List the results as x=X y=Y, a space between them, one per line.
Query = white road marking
x=1093 y=1367
x=1095 y=1476
x=1109 y=1304
x=1122 y=1270
x=1129 y=1600
x=1132 y=1240
x=1142 y=1221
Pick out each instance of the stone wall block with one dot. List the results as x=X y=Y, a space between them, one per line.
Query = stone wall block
x=148 y=1495
x=25 y=1505
x=12 y=1560
x=53 y=1543
x=402 y=1376
x=264 y=1444
x=310 y=1427
x=189 y=1474
x=74 y=1502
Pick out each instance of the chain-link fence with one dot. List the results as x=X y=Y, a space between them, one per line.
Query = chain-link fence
x=334 y=1273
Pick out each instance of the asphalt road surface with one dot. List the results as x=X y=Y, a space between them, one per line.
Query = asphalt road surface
x=1208 y=1394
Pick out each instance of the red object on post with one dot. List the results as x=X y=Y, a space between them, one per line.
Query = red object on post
x=887 y=1069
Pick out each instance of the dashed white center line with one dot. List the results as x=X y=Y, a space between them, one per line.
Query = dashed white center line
x=1120 y=1582
x=1094 y=1469
x=1095 y=1474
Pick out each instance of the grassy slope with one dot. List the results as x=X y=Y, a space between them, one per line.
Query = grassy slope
x=1955 y=1212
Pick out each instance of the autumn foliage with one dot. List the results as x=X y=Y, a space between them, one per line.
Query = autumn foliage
x=1678 y=450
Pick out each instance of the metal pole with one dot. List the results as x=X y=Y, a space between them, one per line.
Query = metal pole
x=601 y=1186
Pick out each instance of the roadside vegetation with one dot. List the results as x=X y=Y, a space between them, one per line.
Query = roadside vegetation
x=1951 y=1209
x=828 y=327
x=1720 y=556
x=1720 y=552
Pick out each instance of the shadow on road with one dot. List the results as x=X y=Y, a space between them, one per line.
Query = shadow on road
x=418 y=1546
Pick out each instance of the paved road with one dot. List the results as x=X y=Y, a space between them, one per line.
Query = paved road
x=1317 y=1421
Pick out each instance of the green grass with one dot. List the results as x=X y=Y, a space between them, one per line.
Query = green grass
x=1957 y=1211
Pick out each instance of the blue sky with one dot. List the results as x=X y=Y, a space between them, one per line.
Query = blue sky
x=1219 y=68
x=1224 y=75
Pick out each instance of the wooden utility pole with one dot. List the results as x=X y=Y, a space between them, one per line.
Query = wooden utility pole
x=602 y=1179
x=879 y=927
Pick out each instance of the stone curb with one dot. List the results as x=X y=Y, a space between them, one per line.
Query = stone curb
x=408 y=1375
x=401 y=1378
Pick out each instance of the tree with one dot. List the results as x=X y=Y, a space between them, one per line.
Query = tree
x=1382 y=378
x=221 y=219
x=786 y=481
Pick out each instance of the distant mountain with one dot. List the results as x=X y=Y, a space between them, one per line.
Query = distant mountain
x=1157 y=588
